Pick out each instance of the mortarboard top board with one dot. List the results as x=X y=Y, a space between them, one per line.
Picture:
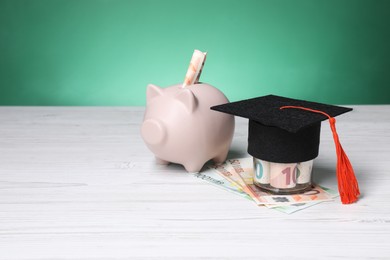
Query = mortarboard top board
x=282 y=135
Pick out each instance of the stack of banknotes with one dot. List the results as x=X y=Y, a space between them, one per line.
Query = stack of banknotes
x=236 y=175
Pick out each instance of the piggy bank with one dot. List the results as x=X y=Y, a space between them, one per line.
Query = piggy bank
x=179 y=126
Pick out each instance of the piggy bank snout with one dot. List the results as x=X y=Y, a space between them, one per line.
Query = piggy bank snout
x=153 y=132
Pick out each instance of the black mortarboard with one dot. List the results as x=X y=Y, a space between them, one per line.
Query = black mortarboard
x=281 y=135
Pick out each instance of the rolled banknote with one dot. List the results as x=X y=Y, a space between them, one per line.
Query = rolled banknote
x=304 y=172
x=261 y=171
x=195 y=68
x=201 y=68
x=283 y=175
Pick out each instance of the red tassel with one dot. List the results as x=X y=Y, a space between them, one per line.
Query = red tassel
x=347 y=182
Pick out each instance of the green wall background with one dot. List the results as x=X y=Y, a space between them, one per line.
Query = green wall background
x=105 y=52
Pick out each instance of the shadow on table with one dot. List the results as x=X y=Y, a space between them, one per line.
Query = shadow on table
x=323 y=175
x=234 y=154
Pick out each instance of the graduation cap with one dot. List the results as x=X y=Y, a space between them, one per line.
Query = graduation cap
x=285 y=130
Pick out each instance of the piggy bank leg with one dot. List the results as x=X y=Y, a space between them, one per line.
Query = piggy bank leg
x=221 y=157
x=161 y=161
x=193 y=166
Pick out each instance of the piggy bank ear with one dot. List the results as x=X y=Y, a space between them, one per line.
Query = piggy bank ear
x=153 y=91
x=187 y=98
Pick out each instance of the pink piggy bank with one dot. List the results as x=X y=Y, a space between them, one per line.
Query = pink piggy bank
x=179 y=126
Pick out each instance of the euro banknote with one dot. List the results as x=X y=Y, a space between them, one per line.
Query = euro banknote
x=238 y=178
x=210 y=176
x=217 y=180
x=240 y=173
x=300 y=206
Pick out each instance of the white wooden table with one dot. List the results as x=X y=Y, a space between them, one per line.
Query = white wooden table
x=79 y=183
